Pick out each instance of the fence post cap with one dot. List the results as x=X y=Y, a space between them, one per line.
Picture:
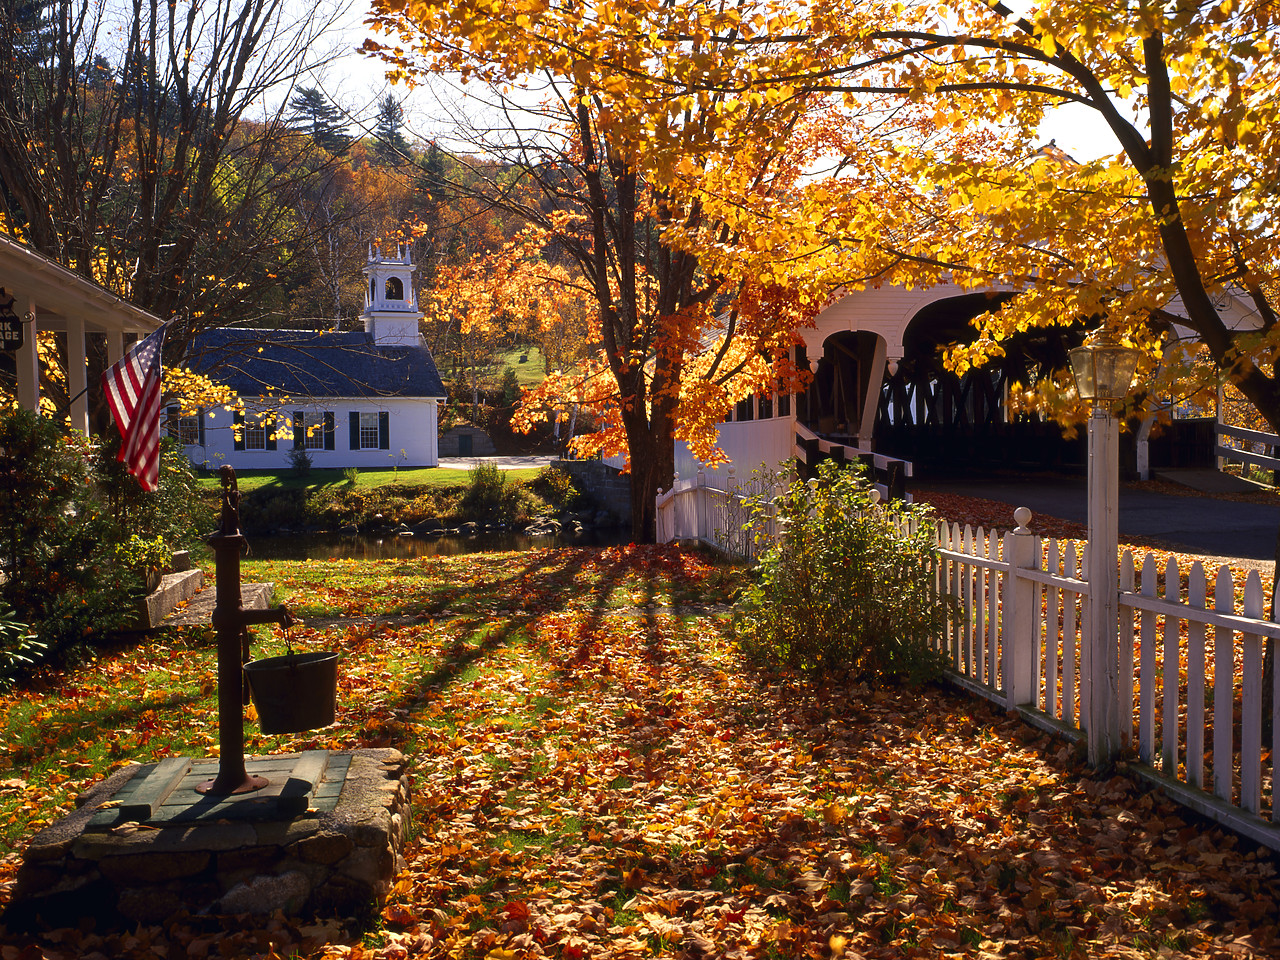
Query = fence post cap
x=1022 y=516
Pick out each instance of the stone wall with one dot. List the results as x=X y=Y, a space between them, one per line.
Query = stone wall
x=608 y=486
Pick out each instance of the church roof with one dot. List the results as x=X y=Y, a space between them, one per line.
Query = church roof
x=310 y=363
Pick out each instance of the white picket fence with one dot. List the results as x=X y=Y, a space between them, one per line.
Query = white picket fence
x=1188 y=705
x=1184 y=696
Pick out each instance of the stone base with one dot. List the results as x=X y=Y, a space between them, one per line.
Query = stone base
x=115 y=863
x=174 y=588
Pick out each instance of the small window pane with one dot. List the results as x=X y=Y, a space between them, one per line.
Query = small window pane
x=312 y=431
x=255 y=435
x=189 y=430
x=368 y=431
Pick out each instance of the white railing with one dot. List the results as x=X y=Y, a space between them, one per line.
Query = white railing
x=692 y=510
x=1189 y=711
x=888 y=474
x=1254 y=447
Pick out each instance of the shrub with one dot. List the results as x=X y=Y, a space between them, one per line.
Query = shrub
x=57 y=539
x=848 y=589
x=300 y=461
x=147 y=557
x=20 y=649
x=490 y=499
x=176 y=512
x=557 y=488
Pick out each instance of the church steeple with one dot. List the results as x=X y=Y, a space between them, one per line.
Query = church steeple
x=391 y=311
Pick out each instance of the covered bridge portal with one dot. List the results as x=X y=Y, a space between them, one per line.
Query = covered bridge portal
x=879 y=383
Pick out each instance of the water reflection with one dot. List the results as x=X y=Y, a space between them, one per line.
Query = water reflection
x=337 y=546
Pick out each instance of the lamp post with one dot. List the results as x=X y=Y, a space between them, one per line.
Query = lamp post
x=1103 y=370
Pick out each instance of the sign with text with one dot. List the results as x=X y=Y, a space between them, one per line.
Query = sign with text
x=11 y=328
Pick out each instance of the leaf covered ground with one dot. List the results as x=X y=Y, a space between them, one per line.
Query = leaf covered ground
x=597 y=774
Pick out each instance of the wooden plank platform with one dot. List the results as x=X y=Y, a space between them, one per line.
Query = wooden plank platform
x=164 y=794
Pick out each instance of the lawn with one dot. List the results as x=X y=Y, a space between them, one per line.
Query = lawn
x=248 y=480
x=528 y=374
x=597 y=774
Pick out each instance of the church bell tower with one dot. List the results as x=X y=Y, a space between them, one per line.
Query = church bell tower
x=391 y=311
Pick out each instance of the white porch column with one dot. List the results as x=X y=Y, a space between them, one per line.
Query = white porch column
x=1144 y=447
x=28 y=362
x=115 y=346
x=77 y=378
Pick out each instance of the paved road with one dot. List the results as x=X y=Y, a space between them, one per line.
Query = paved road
x=1196 y=524
x=502 y=463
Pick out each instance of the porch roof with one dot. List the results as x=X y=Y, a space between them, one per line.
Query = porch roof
x=59 y=295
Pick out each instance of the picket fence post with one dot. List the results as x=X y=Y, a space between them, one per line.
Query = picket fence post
x=1023 y=553
x=658 y=532
x=700 y=505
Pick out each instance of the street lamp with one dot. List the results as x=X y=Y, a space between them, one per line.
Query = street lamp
x=1103 y=370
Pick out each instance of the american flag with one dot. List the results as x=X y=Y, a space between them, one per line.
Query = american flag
x=133 y=391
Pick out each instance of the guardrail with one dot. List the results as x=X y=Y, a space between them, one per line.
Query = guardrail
x=1226 y=452
x=888 y=474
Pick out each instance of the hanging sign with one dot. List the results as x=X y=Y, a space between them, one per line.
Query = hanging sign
x=11 y=326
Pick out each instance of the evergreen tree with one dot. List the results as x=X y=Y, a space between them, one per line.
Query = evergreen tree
x=311 y=112
x=434 y=179
x=392 y=148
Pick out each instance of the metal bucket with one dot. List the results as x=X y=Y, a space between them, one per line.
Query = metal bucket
x=295 y=692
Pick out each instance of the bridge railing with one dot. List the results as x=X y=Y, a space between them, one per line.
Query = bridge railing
x=888 y=474
x=692 y=510
x=1254 y=447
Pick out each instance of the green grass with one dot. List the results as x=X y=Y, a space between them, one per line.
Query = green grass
x=528 y=374
x=248 y=480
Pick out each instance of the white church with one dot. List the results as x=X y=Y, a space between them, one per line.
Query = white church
x=367 y=399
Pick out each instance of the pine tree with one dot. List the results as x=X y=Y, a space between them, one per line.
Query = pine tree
x=311 y=112
x=392 y=148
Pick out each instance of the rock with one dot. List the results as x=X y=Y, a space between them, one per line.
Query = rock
x=266 y=895
x=324 y=848
x=470 y=528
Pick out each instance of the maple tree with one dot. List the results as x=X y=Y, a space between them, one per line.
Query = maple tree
x=680 y=342
x=933 y=127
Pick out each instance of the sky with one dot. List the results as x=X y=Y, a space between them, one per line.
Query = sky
x=357 y=82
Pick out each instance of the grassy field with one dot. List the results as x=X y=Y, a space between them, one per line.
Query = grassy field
x=597 y=773
x=528 y=374
x=248 y=480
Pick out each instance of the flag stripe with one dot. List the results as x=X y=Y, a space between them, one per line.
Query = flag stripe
x=133 y=387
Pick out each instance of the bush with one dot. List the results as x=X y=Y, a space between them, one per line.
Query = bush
x=300 y=461
x=57 y=541
x=20 y=649
x=488 y=497
x=557 y=488
x=176 y=512
x=847 y=590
